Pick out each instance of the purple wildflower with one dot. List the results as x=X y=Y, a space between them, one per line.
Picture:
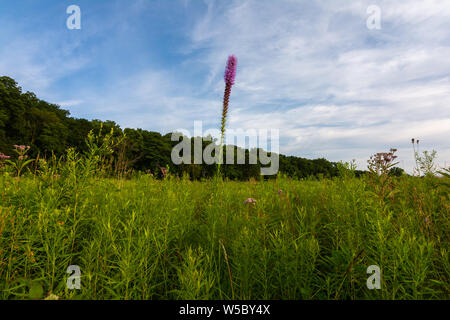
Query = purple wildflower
x=230 y=70
x=4 y=156
x=21 y=147
x=230 y=74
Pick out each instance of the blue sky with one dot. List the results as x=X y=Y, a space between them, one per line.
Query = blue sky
x=311 y=69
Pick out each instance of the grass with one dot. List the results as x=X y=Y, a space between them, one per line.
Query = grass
x=145 y=238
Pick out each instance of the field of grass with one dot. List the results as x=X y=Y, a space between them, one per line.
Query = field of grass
x=144 y=238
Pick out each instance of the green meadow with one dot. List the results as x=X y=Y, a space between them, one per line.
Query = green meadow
x=159 y=201
x=145 y=238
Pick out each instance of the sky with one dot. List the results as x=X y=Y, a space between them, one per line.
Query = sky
x=333 y=87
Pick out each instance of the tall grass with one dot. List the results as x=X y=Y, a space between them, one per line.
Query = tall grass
x=144 y=238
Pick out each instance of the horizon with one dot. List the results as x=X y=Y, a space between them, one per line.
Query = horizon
x=335 y=88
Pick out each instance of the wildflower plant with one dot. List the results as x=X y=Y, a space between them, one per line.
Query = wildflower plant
x=230 y=74
x=425 y=163
x=22 y=160
x=190 y=242
x=416 y=169
x=379 y=167
x=381 y=163
x=101 y=147
x=346 y=169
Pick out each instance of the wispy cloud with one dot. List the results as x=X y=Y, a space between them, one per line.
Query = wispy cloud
x=333 y=87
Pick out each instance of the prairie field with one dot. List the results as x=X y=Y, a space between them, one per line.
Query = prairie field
x=144 y=238
x=239 y=152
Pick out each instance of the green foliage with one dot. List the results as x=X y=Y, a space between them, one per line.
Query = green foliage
x=396 y=172
x=25 y=119
x=346 y=169
x=380 y=167
x=426 y=163
x=180 y=238
x=445 y=181
x=145 y=238
x=22 y=160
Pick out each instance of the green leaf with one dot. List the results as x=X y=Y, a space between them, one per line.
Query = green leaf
x=36 y=291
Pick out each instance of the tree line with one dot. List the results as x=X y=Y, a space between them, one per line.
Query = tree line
x=48 y=129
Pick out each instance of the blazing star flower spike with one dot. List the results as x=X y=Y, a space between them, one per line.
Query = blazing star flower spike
x=230 y=74
x=230 y=70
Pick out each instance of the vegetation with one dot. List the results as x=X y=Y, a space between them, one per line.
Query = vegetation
x=425 y=163
x=47 y=129
x=309 y=233
x=147 y=238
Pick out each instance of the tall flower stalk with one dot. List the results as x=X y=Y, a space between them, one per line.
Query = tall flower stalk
x=416 y=154
x=230 y=74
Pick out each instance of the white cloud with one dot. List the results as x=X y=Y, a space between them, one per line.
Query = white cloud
x=37 y=63
x=315 y=71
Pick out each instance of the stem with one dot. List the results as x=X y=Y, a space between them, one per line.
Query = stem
x=226 y=98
